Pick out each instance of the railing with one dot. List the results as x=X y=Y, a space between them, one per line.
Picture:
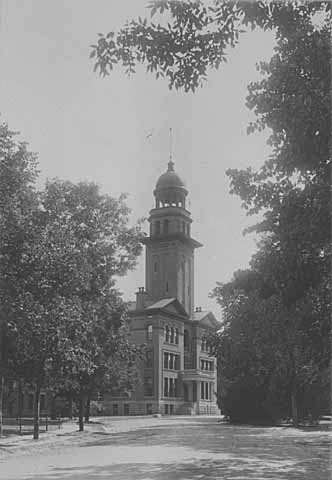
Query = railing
x=24 y=425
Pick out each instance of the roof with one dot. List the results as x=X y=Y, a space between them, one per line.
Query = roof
x=206 y=319
x=171 y=305
x=161 y=303
x=170 y=179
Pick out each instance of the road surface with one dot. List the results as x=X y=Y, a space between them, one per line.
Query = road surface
x=172 y=448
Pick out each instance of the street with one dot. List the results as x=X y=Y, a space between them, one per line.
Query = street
x=169 y=448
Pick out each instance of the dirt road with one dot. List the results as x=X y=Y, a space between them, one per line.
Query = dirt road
x=173 y=448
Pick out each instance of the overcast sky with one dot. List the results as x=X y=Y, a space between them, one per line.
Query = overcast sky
x=87 y=128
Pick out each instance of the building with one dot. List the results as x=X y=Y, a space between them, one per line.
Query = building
x=178 y=375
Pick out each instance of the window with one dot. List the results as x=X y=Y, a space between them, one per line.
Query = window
x=186 y=340
x=171 y=409
x=115 y=409
x=171 y=335
x=149 y=332
x=205 y=391
x=170 y=387
x=166 y=387
x=206 y=365
x=167 y=334
x=148 y=359
x=148 y=387
x=176 y=336
x=166 y=226
x=171 y=361
x=205 y=347
x=126 y=410
x=166 y=409
x=155 y=267
x=149 y=408
x=167 y=287
x=157 y=224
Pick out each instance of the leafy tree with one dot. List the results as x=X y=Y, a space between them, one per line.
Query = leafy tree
x=60 y=251
x=193 y=36
x=271 y=357
x=18 y=173
x=101 y=247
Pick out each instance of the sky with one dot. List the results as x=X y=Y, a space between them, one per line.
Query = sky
x=84 y=127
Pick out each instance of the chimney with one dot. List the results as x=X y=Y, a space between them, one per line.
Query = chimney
x=141 y=298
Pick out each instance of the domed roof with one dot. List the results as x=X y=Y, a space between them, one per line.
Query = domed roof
x=169 y=179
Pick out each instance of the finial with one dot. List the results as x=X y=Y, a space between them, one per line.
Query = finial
x=170 y=163
x=170 y=166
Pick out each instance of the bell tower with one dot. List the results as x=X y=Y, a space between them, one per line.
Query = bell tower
x=169 y=246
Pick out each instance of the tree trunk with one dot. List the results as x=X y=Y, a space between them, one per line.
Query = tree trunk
x=87 y=409
x=70 y=405
x=36 y=407
x=53 y=410
x=81 y=411
x=2 y=385
x=3 y=363
x=20 y=403
x=295 y=417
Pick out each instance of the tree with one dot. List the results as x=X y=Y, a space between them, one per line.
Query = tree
x=193 y=36
x=271 y=356
x=18 y=173
x=101 y=246
x=60 y=252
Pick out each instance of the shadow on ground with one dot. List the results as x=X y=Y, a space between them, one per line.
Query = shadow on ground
x=193 y=450
x=195 y=470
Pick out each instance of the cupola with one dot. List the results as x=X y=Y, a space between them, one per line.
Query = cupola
x=170 y=189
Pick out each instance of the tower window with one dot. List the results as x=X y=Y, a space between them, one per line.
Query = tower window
x=157 y=224
x=155 y=267
x=149 y=332
x=166 y=226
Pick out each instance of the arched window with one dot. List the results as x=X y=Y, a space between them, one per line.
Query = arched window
x=172 y=335
x=166 y=226
x=167 y=333
x=176 y=339
x=155 y=267
x=149 y=332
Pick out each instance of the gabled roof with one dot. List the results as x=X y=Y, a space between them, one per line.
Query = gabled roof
x=206 y=319
x=169 y=304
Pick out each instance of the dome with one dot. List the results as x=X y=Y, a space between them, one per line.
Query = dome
x=169 y=179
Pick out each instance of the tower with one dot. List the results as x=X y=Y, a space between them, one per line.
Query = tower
x=169 y=246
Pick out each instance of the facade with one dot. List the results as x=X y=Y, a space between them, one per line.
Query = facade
x=178 y=375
